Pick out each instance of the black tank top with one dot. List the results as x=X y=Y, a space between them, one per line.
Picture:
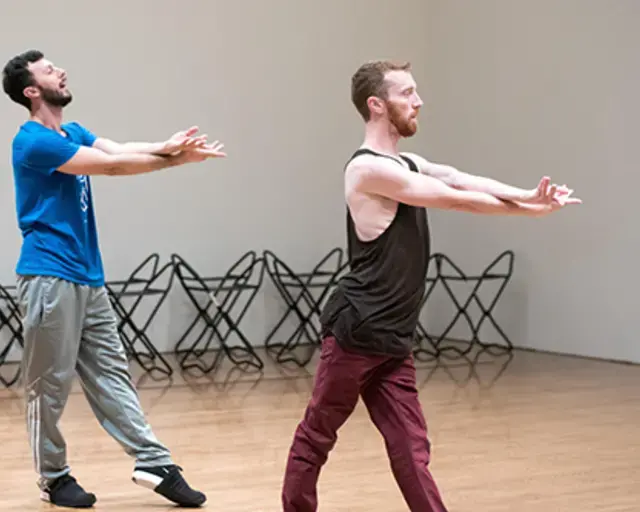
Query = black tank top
x=376 y=305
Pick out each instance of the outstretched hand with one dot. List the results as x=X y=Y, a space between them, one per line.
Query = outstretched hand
x=552 y=195
x=563 y=198
x=544 y=193
x=187 y=141
x=182 y=141
x=203 y=152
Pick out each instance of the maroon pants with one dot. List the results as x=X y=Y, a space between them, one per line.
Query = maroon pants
x=388 y=389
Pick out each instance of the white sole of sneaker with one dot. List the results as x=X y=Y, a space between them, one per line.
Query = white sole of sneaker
x=147 y=480
x=44 y=496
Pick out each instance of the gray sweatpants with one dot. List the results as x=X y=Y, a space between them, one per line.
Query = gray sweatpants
x=70 y=328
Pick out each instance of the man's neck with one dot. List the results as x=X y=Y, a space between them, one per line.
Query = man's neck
x=381 y=137
x=51 y=117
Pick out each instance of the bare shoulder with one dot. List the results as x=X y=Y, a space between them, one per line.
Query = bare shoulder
x=364 y=162
x=422 y=163
x=443 y=172
x=366 y=172
x=367 y=166
x=379 y=176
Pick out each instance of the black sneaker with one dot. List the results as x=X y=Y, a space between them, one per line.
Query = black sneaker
x=66 y=492
x=168 y=482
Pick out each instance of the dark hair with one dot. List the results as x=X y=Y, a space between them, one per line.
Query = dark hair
x=369 y=80
x=16 y=76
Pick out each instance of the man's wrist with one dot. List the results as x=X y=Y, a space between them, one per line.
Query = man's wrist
x=503 y=191
x=522 y=196
x=176 y=159
x=535 y=210
x=159 y=148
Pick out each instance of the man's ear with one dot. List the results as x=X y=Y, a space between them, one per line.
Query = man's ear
x=375 y=104
x=31 y=92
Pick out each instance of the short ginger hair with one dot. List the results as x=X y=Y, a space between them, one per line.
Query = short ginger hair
x=369 y=80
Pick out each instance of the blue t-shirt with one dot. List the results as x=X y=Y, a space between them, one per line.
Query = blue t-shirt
x=55 y=210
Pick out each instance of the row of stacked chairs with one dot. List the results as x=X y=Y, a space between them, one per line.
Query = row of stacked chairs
x=221 y=302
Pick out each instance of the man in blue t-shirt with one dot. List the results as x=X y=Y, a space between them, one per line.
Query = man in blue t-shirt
x=68 y=323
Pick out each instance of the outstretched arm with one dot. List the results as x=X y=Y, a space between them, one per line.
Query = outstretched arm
x=181 y=140
x=118 y=148
x=51 y=154
x=464 y=181
x=386 y=178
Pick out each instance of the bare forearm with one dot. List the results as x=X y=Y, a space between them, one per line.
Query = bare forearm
x=490 y=186
x=461 y=180
x=127 y=164
x=486 y=204
x=142 y=147
x=118 y=148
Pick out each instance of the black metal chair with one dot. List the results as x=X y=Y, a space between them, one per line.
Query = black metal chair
x=221 y=303
x=453 y=274
x=296 y=290
x=148 y=281
x=11 y=324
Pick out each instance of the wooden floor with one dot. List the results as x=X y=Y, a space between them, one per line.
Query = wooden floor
x=552 y=434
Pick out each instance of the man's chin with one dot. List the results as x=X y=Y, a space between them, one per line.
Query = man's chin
x=410 y=131
x=62 y=102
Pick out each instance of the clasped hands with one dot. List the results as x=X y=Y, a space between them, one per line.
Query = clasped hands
x=191 y=147
x=551 y=195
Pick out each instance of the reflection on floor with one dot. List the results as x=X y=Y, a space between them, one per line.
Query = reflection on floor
x=521 y=432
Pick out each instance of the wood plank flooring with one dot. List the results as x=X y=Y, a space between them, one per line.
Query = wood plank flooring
x=552 y=434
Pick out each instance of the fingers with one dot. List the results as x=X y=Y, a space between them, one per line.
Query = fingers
x=214 y=146
x=191 y=131
x=195 y=142
x=187 y=143
x=564 y=198
x=213 y=150
x=563 y=189
x=545 y=192
x=562 y=195
x=212 y=154
x=571 y=200
x=185 y=133
x=543 y=186
x=551 y=193
x=541 y=191
x=556 y=196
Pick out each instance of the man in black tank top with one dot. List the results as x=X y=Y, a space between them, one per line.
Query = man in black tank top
x=370 y=319
x=375 y=307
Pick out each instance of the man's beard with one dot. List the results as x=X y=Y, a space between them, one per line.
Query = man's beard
x=405 y=127
x=56 y=98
